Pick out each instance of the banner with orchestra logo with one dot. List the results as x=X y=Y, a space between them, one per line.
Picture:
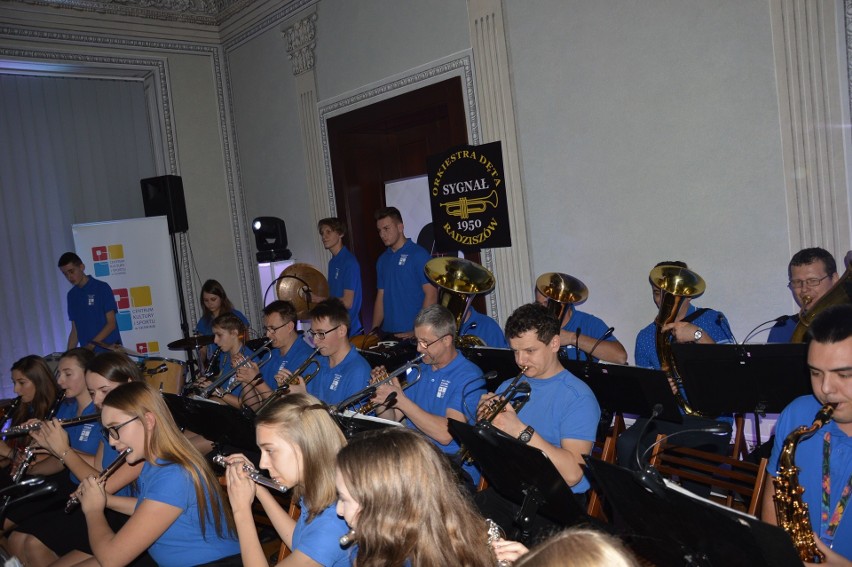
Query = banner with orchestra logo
x=468 y=196
x=134 y=257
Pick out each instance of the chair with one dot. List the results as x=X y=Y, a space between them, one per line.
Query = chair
x=605 y=451
x=740 y=483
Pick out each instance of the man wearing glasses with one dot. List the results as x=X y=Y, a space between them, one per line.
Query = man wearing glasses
x=342 y=370
x=289 y=349
x=812 y=273
x=449 y=386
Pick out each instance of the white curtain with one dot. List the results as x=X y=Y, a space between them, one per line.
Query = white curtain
x=73 y=151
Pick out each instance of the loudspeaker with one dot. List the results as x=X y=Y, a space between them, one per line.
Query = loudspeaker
x=163 y=196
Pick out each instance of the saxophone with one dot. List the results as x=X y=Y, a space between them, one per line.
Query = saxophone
x=790 y=510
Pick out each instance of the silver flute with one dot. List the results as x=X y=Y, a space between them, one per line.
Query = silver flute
x=74 y=501
x=254 y=475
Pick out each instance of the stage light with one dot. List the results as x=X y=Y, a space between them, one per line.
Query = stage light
x=270 y=236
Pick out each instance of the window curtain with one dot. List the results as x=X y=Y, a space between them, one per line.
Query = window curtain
x=73 y=151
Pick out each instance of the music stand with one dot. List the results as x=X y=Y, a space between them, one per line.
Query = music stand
x=628 y=389
x=672 y=527
x=352 y=423
x=520 y=473
x=758 y=378
x=219 y=423
x=489 y=359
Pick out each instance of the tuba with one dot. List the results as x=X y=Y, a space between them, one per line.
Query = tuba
x=297 y=284
x=676 y=285
x=790 y=510
x=839 y=294
x=459 y=281
x=561 y=291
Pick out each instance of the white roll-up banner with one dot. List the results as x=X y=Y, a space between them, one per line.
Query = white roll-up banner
x=134 y=257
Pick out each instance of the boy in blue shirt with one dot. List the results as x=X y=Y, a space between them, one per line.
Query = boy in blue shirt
x=91 y=306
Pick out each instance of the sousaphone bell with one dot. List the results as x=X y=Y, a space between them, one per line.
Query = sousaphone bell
x=297 y=284
x=561 y=291
x=459 y=281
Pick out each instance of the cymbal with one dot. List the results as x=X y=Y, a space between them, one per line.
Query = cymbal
x=295 y=281
x=118 y=348
x=190 y=343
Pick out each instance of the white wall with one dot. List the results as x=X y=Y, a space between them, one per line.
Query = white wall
x=650 y=132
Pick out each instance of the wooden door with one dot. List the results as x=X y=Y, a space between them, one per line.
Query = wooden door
x=383 y=142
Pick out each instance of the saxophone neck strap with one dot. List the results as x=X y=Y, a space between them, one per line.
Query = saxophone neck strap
x=829 y=523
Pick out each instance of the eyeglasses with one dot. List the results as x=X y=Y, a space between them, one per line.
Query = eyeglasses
x=273 y=329
x=113 y=431
x=320 y=334
x=424 y=345
x=810 y=282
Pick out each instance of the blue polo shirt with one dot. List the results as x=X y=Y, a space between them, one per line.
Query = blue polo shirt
x=333 y=385
x=291 y=360
x=485 y=328
x=344 y=273
x=712 y=322
x=809 y=460
x=87 y=308
x=588 y=325
x=561 y=407
x=401 y=277
x=782 y=331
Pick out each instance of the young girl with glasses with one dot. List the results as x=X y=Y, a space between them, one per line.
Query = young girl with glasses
x=179 y=513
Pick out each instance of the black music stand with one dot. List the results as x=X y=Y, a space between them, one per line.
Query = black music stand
x=520 y=473
x=352 y=423
x=758 y=378
x=672 y=527
x=628 y=389
x=489 y=359
x=219 y=423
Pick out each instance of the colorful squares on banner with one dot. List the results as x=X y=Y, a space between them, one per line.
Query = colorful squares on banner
x=122 y=299
x=141 y=296
x=124 y=320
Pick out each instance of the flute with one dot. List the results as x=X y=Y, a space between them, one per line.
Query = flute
x=74 y=501
x=20 y=430
x=254 y=475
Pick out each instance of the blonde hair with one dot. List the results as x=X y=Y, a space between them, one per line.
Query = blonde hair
x=304 y=421
x=411 y=507
x=165 y=441
x=579 y=548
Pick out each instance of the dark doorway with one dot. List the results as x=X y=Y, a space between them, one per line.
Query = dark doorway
x=383 y=142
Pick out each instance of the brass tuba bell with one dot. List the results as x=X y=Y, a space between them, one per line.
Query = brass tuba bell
x=459 y=280
x=676 y=284
x=561 y=291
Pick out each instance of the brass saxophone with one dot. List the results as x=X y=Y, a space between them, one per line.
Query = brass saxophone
x=791 y=510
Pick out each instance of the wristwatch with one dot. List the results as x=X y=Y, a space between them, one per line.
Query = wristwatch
x=698 y=334
x=526 y=434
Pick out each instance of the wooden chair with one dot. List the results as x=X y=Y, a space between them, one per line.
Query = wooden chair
x=605 y=451
x=739 y=482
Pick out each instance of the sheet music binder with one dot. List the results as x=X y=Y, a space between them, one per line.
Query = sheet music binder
x=672 y=527
x=627 y=389
x=728 y=378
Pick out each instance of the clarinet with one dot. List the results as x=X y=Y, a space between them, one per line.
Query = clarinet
x=74 y=501
x=29 y=452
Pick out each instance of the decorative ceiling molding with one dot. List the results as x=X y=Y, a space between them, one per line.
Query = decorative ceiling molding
x=201 y=12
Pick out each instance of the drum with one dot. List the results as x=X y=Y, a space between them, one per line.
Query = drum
x=166 y=374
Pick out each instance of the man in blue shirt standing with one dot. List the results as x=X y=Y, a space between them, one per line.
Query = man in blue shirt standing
x=812 y=272
x=344 y=272
x=403 y=289
x=91 y=306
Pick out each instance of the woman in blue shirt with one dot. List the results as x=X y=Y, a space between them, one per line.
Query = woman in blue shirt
x=214 y=302
x=398 y=494
x=179 y=514
x=298 y=442
x=43 y=538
